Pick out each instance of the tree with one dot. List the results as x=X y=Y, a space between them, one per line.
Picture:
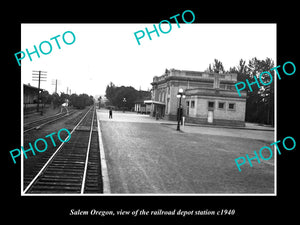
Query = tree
x=81 y=101
x=216 y=67
x=110 y=92
x=129 y=93
x=242 y=70
x=46 y=97
x=116 y=96
x=64 y=97
x=260 y=102
x=55 y=100
x=72 y=99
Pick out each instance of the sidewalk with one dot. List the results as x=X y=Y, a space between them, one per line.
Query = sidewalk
x=134 y=117
x=239 y=132
x=248 y=126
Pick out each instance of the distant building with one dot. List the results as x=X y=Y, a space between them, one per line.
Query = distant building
x=30 y=94
x=141 y=107
x=210 y=97
x=30 y=98
x=139 y=104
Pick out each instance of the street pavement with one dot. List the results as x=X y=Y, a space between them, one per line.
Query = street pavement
x=148 y=156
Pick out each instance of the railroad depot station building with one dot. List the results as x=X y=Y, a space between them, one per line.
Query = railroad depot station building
x=209 y=97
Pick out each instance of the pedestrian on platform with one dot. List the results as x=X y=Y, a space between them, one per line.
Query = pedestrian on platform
x=110 y=113
x=180 y=115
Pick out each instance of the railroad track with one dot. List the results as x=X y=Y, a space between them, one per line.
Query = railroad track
x=75 y=166
x=46 y=120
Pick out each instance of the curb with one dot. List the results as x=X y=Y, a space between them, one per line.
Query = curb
x=105 y=178
x=218 y=126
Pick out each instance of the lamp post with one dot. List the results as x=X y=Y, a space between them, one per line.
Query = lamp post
x=179 y=95
x=124 y=102
x=99 y=101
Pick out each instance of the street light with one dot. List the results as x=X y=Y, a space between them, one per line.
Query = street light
x=99 y=101
x=179 y=95
x=124 y=102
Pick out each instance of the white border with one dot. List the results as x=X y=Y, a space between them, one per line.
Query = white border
x=275 y=118
x=104 y=171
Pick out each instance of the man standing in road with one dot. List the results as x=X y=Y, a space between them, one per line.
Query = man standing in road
x=110 y=113
x=180 y=114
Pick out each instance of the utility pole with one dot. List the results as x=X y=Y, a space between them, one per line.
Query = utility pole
x=56 y=86
x=55 y=82
x=41 y=76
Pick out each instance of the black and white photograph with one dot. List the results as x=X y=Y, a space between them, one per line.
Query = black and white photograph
x=105 y=114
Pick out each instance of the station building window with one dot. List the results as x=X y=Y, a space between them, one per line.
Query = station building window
x=192 y=104
x=231 y=106
x=187 y=104
x=211 y=105
x=221 y=105
x=187 y=108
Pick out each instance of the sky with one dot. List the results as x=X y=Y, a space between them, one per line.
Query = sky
x=104 y=53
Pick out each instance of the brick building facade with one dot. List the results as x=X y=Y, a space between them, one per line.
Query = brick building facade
x=210 y=97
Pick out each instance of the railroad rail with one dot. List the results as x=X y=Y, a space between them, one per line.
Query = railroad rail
x=46 y=120
x=75 y=165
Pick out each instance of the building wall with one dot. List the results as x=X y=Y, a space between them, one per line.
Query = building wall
x=200 y=87
x=30 y=94
x=201 y=108
x=174 y=101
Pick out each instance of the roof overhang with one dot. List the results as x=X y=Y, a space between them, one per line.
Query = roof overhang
x=154 y=102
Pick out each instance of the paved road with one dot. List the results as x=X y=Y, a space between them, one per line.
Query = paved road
x=144 y=156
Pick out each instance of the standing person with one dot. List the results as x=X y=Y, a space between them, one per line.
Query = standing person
x=110 y=113
x=180 y=115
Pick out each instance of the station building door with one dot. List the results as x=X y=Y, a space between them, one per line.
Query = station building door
x=210 y=116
